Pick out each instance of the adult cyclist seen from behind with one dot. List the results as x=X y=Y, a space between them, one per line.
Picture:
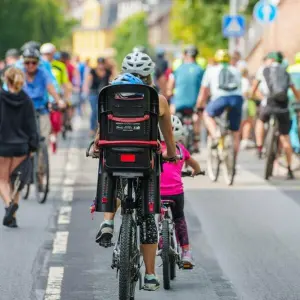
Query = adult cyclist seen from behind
x=273 y=82
x=223 y=83
x=186 y=81
x=141 y=66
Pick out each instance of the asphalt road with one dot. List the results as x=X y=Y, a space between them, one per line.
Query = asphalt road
x=245 y=238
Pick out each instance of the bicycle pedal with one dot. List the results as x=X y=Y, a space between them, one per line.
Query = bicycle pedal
x=187 y=266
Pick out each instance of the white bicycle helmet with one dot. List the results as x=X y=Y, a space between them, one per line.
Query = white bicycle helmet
x=138 y=63
x=47 y=48
x=177 y=128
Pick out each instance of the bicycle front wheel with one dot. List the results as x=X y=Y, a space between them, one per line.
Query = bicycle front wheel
x=166 y=254
x=41 y=174
x=126 y=282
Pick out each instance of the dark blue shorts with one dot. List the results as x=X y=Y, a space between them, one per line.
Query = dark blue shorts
x=216 y=108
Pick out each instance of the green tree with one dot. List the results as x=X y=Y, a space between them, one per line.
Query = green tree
x=199 y=22
x=131 y=32
x=40 y=20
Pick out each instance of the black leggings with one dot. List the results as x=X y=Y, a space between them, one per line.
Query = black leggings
x=179 y=218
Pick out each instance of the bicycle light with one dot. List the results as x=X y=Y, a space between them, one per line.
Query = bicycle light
x=129 y=158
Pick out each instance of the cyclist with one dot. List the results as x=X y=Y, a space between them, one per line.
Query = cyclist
x=58 y=68
x=223 y=83
x=294 y=71
x=11 y=57
x=141 y=66
x=74 y=78
x=273 y=82
x=187 y=81
x=18 y=137
x=37 y=84
x=43 y=64
x=171 y=188
x=96 y=80
x=161 y=71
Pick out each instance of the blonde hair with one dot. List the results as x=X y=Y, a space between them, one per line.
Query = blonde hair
x=15 y=78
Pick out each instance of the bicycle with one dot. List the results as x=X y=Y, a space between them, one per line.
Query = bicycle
x=40 y=179
x=168 y=244
x=223 y=154
x=186 y=117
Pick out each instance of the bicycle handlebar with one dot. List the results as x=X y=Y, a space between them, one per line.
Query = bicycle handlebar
x=189 y=173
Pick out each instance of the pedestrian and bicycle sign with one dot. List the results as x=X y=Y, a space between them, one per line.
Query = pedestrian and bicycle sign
x=265 y=12
x=233 y=26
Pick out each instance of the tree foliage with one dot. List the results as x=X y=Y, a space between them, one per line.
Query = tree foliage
x=199 y=22
x=40 y=20
x=131 y=32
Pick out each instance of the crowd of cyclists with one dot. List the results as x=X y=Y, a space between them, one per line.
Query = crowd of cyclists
x=39 y=78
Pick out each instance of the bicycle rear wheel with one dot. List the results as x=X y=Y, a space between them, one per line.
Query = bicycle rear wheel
x=271 y=146
x=42 y=174
x=213 y=161
x=229 y=159
x=126 y=280
x=166 y=254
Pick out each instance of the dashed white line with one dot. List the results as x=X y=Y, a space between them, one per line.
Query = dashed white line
x=53 y=291
x=68 y=193
x=64 y=215
x=60 y=242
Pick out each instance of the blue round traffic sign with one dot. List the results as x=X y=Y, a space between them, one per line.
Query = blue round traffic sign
x=265 y=12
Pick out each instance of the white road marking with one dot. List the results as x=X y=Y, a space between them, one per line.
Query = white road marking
x=69 y=181
x=68 y=193
x=60 y=242
x=64 y=215
x=55 y=277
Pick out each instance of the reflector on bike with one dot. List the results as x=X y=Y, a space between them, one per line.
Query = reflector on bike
x=127 y=157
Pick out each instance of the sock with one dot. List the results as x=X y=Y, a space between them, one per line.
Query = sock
x=109 y=222
x=259 y=148
x=150 y=276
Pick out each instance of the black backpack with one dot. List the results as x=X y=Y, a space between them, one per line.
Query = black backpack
x=227 y=80
x=278 y=82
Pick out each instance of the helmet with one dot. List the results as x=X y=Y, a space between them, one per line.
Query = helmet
x=12 y=53
x=177 y=129
x=65 y=55
x=280 y=56
x=222 y=56
x=297 y=58
x=31 y=53
x=191 y=50
x=31 y=44
x=274 y=55
x=140 y=48
x=127 y=78
x=138 y=63
x=57 y=56
x=47 y=48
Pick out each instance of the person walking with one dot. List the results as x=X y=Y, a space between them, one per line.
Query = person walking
x=18 y=137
